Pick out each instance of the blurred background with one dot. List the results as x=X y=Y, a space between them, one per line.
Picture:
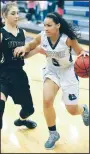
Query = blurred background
x=33 y=13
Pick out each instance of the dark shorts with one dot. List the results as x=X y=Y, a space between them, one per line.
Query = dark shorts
x=15 y=84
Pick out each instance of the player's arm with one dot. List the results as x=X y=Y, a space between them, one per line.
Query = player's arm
x=34 y=43
x=76 y=46
x=35 y=51
x=28 y=47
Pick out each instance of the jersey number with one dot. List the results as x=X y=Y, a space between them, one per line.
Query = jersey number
x=55 y=62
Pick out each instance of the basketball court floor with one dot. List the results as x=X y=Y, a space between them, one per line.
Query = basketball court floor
x=74 y=135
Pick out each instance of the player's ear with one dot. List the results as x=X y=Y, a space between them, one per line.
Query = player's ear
x=58 y=26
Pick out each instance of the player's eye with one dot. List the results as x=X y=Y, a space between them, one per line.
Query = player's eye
x=13 y=13
x=47 y=25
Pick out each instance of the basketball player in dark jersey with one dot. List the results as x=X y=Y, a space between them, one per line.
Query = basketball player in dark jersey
x=13 y=79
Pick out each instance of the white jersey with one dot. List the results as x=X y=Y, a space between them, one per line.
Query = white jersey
x=60 y=68
x=59 y=54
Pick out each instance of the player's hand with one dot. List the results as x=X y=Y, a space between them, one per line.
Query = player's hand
x=19 y=52
x=84 y=53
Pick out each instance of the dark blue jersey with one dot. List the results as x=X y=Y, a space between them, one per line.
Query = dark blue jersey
x=7 y=46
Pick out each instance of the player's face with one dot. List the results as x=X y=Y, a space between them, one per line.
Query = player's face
x=50 y=27
x=12 y=16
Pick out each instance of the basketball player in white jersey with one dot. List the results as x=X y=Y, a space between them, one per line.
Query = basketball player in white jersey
x=56 y=42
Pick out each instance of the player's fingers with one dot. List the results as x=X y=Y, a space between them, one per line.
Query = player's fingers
x=19 y=53
x=85 y=53
x=22 y=55
x=16 y=50
x=79 y=55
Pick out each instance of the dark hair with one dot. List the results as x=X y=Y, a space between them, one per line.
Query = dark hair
x=71 y=31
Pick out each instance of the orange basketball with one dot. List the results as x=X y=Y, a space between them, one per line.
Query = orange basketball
x=82 y=67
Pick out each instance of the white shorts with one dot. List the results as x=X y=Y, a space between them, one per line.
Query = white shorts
x=66 y=79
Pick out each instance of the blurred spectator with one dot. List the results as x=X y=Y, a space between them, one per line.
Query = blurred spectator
x=60 y=9
x=51 y=5
x=43 y=9
x=37 y=12
x=22 y=5
x=31 y=10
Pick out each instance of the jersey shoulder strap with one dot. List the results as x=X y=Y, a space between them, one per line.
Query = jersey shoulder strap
x=5 y=34
x=64 y=38
x=21 y=31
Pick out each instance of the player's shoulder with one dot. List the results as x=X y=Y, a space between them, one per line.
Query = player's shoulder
x=21 y=30
x=43 y=33
x=64 y=38
x=2 y=30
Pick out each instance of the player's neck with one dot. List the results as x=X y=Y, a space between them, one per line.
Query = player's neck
x=10 y=27
x=55 y=37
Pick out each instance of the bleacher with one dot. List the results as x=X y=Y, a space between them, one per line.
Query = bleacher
x=75 y=12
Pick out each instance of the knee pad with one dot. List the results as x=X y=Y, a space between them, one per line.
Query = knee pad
x=25 y=113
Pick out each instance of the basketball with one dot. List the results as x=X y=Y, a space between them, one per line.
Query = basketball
x=82 y=67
